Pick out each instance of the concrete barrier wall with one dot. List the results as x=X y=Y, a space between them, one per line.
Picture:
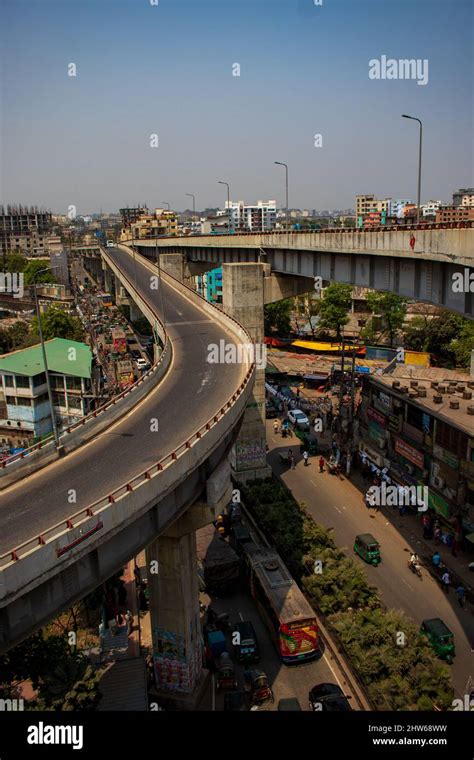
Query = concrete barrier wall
x=22 y=467
x=41 y=562
x=455 y=245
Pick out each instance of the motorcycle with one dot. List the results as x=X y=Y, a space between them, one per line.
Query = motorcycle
x=217 y=622
x=334 y=468
x=415 y=568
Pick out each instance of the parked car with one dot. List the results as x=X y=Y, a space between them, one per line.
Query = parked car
x=298 y=419
x=135 y=353
x=142 y=364
x=328 y=697
x=247 y=644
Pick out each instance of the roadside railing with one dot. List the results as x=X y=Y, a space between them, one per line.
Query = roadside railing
x=49 y=442
x=468 y=224
x=73 y=521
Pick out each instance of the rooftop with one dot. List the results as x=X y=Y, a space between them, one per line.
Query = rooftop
x=29 y=361
x=449 y=385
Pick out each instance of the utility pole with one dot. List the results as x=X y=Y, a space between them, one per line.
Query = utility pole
x=45 y=361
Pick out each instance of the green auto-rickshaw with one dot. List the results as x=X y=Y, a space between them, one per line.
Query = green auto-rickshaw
x=440 y=638
x=367 y=547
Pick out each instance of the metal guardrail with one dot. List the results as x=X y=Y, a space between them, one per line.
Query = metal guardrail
x=74 y=520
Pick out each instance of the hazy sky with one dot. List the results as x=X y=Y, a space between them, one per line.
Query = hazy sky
x=166 y=69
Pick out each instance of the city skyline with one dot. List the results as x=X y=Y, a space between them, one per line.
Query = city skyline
x=76 y=131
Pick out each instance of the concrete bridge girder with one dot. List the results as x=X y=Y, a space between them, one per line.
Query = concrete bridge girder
x=410 y=277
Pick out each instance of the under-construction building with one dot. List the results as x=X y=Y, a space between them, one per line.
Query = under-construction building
x=24 y=229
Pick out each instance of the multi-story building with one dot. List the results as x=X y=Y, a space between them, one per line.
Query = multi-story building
x=254 y=218
x=418 y=422
x=429 y=209
x=448 y=214
x=367 y=204
x=59 y=264
x=24 y=229
x=464 y=197
x=397 y=205
x=160 y=222
x=209 y=285
x=130 y=215
x=24 y=406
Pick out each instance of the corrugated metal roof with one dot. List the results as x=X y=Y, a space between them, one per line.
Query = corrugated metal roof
x=59 y=356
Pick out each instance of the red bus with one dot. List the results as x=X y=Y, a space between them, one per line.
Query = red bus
x=288 y=615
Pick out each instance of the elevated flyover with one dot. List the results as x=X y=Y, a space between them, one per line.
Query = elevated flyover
x=68 y=527
x=415 y=262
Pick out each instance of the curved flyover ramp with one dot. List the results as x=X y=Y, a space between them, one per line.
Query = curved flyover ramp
x=133 y=480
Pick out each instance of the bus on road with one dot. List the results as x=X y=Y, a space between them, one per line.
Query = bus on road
x=288 y=615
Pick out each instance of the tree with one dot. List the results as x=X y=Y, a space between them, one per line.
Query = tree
x=464 y=344
x=277 y=318
x=31 y=270
x=447 y=336
x=392 y=309
x=56 y=323
x=308 y=307
x=334 y=306
x=15 y=262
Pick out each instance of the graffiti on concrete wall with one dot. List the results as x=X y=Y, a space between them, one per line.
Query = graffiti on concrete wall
x=250 y=454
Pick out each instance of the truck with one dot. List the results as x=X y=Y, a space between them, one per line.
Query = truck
x=218 y=563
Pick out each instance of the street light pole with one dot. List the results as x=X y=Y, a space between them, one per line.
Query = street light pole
x=418 y=204
x=45 y=362
x=220 y=182
x=280 y=163
x=166 y=204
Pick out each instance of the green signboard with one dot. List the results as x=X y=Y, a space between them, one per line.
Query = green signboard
x=437 y=503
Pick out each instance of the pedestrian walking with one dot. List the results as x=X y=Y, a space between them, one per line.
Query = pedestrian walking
x=305 y=458
x=129 y=619
x=461 y=593
x=321 y=464
x=437 y=534
x=436 y=560
x=291 y=459
x=446 y=580
x=275 y=427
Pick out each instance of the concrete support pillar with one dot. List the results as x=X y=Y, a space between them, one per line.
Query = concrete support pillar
x=174 y=596
x=174 y=612
x=108 y=280
x=173 y=264
x=135 y=312
x=243 y=299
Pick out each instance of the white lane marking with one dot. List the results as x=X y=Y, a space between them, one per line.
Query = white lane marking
x=338 y=510
x=410 y=587
x=312 y=481
x=241 y=617
x=190 y=322
x=326 y=657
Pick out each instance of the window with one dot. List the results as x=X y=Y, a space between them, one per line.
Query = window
x=451 y=439
x=11 y=400
x=57 y=381
x=74 y=402
x=24 y=402
x=39 y=379
x=73 y=383
x=22 y=381
x=8 y=380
